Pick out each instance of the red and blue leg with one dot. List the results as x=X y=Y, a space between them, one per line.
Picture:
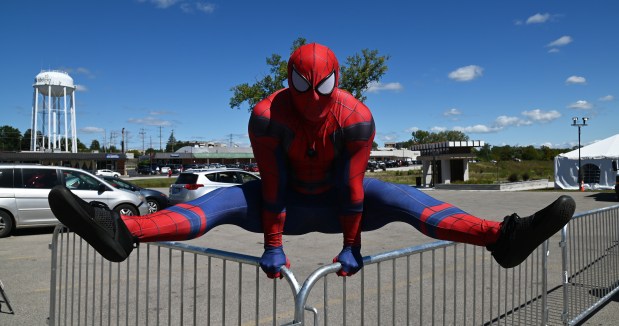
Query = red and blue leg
x=386 y=202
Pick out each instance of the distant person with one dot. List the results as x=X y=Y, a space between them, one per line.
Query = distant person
x=312 y=142
x=169 y=172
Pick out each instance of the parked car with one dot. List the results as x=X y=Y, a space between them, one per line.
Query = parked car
x=148 y=169
x=108 y=173
x=253 y=167
x=24 y=189
x=165 y=170
x=155 y=199
x=193 y=184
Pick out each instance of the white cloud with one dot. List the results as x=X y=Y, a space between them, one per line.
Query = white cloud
x=411 y=129
x=479 y=129
x=581 y=105
x=505 y=121
x=205 y=7
x=538 y=18
x=164 y=3
x=375 y=87
x=541 y=116
x=467 y=73
x=453 y=112
x=150 y=121
x=185 y=6
x=437 y=129
x=91 y=130
x=561 y=41
x=554 y=50
x=606 y=98
x=81 y=88
x=575 y=80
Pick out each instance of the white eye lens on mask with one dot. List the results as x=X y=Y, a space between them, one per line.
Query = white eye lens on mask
x=326 y=86
x=299 y=83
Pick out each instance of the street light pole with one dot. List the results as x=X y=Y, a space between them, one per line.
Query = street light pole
x=576 y=124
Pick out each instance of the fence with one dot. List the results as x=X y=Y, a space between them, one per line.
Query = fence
x=590 y=258
x=441 y=283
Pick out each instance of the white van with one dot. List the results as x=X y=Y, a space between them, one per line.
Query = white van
x=24 y=189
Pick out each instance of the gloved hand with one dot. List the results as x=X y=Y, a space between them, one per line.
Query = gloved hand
x=272 y=260
x=351 y=260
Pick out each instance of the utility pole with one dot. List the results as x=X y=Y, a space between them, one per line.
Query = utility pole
x=142 y=133
x=160 y=148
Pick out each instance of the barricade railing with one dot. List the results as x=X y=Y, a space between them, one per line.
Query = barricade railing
x=163 y=283
x=590 y=256
x=440 y=283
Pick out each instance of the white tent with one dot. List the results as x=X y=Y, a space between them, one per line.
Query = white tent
x=596 y=161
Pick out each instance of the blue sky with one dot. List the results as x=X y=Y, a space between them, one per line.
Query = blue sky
x=505 y=72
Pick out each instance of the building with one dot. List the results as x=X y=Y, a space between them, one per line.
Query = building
x=446 y=162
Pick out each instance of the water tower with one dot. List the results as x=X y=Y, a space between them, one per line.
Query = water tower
x=53 y=104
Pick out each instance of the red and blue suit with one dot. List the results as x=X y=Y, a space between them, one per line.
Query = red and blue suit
x=312 y=142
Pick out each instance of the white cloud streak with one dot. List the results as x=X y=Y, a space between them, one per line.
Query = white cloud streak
x=467 y=73
x=606 y=98
x=581 y=105
x=538 y=18
x=561 y=41
x=375 y=87
x=91 y=130
x=573 y=80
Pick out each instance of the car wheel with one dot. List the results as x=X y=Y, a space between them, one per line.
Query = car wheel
x=6 y=224
x=126 y=209
x=153 y=206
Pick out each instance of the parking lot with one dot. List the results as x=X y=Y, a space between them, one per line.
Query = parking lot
x=25 y=258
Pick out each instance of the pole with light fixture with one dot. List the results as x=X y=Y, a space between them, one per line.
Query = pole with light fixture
x=576 y=124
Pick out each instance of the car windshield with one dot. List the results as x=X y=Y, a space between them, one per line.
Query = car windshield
x=186 y=178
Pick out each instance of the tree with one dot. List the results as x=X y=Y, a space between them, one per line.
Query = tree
x=171 y=144
x=94 y=145
x=10 y=138
x=361 y=70
x=426 y=137
x=25 y=142
x=355 y=76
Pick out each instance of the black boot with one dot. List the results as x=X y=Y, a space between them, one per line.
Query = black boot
x=520 y=236
x=101 y=227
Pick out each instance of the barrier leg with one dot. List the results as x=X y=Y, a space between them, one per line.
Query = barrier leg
x=5 y=299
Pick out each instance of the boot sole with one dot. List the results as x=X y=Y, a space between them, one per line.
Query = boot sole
x=69 y=212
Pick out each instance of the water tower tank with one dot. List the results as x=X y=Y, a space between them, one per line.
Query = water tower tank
x=57 y=81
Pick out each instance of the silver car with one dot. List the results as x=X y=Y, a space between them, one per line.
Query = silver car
x=24 y=189
x=193 y=184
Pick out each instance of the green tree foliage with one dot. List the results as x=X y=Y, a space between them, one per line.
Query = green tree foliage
x=10 y=138
x=427 y=137
x=171 y=144
x=361 y=70
x=94 y=145
x=355 y=76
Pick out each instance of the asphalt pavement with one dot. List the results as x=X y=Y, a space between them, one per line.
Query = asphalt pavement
x=25 y=259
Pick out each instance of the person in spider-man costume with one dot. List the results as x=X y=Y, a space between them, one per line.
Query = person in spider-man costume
x=312 y=142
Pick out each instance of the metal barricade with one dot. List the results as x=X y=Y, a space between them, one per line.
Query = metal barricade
x=441 y=283
x=162 y=284
x=590 y=262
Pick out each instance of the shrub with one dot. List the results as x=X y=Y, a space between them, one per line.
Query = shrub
x=525 y=176
x=512 y=177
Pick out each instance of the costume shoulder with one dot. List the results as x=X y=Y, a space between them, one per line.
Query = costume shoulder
x=266 y=115
x=354 y=117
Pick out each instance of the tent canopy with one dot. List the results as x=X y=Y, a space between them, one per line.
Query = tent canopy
x=607 y=148
x=596 y=158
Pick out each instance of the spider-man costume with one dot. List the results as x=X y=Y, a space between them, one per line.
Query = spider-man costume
x=312 y=142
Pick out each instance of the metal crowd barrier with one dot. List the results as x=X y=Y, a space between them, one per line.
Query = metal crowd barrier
x=590 y=255
x=440 y=283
